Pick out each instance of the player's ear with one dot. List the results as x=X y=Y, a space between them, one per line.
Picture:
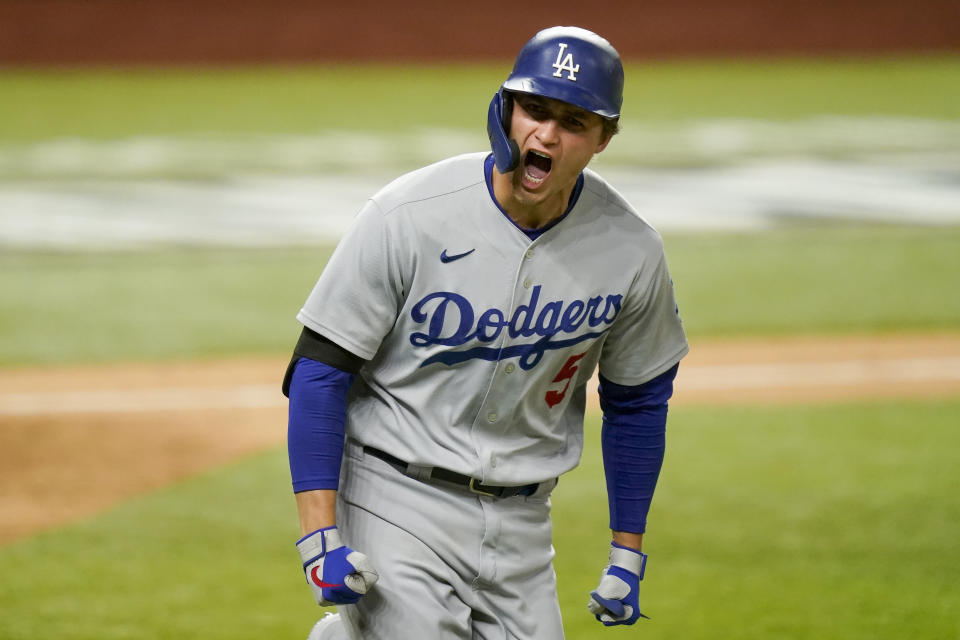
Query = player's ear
x=605 y=137
x=607 y=131
x=604 y=142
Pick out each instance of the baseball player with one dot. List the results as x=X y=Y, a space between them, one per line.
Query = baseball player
x=437 y=391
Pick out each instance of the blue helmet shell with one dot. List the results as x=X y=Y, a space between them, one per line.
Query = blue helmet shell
x=572 y=65
x=569 y=64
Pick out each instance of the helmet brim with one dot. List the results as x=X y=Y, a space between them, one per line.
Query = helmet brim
x=559 y=90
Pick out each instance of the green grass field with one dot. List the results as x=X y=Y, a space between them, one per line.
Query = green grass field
x=40 y=105
x=798 y=522
x=85 y=307
x=824 y=522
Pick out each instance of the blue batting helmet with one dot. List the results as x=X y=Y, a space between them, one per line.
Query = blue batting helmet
x=569 y=64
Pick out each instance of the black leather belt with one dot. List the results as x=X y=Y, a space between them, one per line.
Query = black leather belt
x=436 y=473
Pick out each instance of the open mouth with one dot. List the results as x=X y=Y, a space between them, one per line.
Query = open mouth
x=536 y=166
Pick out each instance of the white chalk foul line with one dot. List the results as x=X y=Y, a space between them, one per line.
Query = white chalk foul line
x=254 y=396
x=694 y=378
x=805 y=374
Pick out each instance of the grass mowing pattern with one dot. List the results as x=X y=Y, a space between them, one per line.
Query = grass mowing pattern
x=769 y=523
x=189 y=303
x=804 y=522
x=94 y=307
x=800 y=522
x=103 y=104
x=828 y=279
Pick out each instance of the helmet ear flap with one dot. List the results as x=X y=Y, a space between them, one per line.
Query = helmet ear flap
x=506 y=152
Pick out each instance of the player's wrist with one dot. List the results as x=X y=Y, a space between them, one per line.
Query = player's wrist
x=628 y=540
x=317 y=510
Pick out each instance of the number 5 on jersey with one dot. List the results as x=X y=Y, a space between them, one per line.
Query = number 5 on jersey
x=566 y=372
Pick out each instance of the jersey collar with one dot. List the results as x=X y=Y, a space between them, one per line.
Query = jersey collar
x=533 y=234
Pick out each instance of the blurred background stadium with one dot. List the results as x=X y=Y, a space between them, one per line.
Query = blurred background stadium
x=174 y=175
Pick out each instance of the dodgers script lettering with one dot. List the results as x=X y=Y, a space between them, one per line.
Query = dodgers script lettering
x=550 y=323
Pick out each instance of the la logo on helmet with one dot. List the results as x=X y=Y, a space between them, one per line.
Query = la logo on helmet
x=565 y=64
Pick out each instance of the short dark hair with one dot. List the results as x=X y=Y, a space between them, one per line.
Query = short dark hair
x=611 y=127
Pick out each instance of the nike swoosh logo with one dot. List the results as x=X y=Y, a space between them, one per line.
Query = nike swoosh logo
x=320 y=583
x=445 y=258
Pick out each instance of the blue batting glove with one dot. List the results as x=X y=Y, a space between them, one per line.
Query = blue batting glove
x=616 y=600
x=336 y=574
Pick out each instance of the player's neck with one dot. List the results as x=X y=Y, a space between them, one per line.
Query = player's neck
x=529 y=211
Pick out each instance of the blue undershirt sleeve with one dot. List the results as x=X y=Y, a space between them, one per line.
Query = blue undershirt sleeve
x=315 y=428
x=633 y=440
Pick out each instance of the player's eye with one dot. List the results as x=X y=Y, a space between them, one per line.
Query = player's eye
x=534 y=109
x=537 y=112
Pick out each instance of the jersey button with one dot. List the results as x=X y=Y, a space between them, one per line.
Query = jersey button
x=492 y=417
x=509 y=368
x=529 y=253
x=527 y=283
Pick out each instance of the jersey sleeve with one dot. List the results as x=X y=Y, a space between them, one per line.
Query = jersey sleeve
x=647 y=338
x=358 y=296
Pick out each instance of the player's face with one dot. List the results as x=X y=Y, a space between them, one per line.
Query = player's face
x=556 y=141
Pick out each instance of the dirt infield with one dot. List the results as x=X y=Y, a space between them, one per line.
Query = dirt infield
x=74 y=441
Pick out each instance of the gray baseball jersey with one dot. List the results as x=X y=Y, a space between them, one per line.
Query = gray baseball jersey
x=479 y=341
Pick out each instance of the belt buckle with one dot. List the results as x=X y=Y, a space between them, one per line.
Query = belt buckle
x=475 y=488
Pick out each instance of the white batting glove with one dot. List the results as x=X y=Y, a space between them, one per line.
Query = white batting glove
x=336 y=574
x=616 y=600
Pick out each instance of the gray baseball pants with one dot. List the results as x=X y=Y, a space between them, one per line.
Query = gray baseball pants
x=453 y=565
